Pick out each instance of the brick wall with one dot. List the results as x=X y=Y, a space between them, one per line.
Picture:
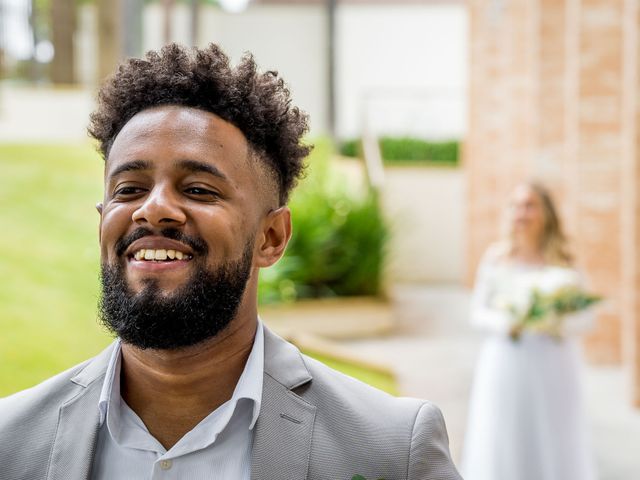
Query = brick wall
x=553 y=96
x=630 y=218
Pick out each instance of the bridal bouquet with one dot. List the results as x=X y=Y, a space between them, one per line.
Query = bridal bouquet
x=541 y=300
x=547 y=311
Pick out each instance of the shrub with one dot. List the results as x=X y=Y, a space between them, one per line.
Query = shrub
x=338 y=242
x=351 y=148
x=407 y=149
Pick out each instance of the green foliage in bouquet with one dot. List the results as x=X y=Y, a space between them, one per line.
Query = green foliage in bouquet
x=546 y=310
x=572 y=299
x=338 y=242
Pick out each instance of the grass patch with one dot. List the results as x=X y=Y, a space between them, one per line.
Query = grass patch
x=48 y=261
x=376 y=378
x=49 y=264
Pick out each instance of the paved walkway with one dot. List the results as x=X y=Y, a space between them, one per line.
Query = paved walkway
x=44 y=114
x=433 y=353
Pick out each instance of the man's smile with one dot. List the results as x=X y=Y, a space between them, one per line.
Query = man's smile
x=153 y=253
x=160 y=255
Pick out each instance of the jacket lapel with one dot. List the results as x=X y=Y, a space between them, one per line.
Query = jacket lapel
x=282 y=439
x=78 y=423
x=75 y=442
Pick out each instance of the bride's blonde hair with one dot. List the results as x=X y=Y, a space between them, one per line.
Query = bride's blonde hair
x=554 y=243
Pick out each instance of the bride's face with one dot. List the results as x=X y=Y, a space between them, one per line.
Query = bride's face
x=526 y=213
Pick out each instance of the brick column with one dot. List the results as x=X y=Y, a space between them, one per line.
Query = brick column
x=597 y=126
x=546 y=101
x=631 y=197
x=497 y=147
x=518 y=109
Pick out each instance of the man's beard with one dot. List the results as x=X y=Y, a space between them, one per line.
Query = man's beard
x=193 y=313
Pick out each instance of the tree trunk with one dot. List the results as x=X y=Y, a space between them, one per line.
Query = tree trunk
x=1 y=40
x=63 y=26
x=194 y=10
x=110 y=48
x=168 y=10
x=331 y=64
x=34 y=67
x=132 y=27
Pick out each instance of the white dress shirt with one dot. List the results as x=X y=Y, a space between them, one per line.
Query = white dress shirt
x=218 y=447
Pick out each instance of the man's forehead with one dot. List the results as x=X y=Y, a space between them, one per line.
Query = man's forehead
x=184 y=132
x=187 y=123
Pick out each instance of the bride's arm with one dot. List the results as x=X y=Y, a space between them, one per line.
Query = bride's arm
x=483 y=316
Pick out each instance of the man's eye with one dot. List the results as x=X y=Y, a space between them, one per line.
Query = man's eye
x=201 y=192
x=124 y=191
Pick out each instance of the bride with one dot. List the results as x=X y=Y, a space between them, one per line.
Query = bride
x=526 y=419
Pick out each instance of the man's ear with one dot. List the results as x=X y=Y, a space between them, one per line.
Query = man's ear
x=99 y=208
x=274 y=237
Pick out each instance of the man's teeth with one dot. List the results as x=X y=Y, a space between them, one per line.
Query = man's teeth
x=161 y=254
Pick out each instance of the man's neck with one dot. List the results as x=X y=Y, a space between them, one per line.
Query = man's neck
x=174 y=390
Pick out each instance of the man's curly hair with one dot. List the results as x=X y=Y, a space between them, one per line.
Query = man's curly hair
x=259 y=104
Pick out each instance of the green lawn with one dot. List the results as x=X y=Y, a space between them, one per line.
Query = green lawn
x=49 y=261
x=379 y=379
x=49 y=264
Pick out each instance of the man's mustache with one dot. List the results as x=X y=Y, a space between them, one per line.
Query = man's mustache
x=198 y=245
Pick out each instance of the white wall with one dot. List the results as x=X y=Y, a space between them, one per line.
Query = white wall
x=425 y=207
x=402 y=69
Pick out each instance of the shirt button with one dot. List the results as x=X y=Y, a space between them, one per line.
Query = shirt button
x=165 y=464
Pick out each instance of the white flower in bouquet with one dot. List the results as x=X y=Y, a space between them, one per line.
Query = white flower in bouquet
x=552 y=302
x=539 y=301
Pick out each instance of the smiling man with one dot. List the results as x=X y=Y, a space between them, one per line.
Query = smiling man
x=200 y=159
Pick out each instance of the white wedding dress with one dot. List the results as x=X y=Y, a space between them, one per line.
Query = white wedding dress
x=526 y=418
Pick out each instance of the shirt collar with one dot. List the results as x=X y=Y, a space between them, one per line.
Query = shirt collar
x=113 y=367
x=249 y=385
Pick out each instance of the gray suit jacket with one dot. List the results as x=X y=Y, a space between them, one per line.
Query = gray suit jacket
x=314 y=423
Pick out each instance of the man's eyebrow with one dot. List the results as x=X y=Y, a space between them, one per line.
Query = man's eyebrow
x=131 y=166
x=195 y=166
x=190 y=165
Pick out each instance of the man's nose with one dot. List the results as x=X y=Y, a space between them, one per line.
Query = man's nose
x=161 y=208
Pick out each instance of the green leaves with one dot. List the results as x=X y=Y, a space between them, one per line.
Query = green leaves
x=338 y=243
x=546 y=311
x=409 y=150
x=561 y=302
